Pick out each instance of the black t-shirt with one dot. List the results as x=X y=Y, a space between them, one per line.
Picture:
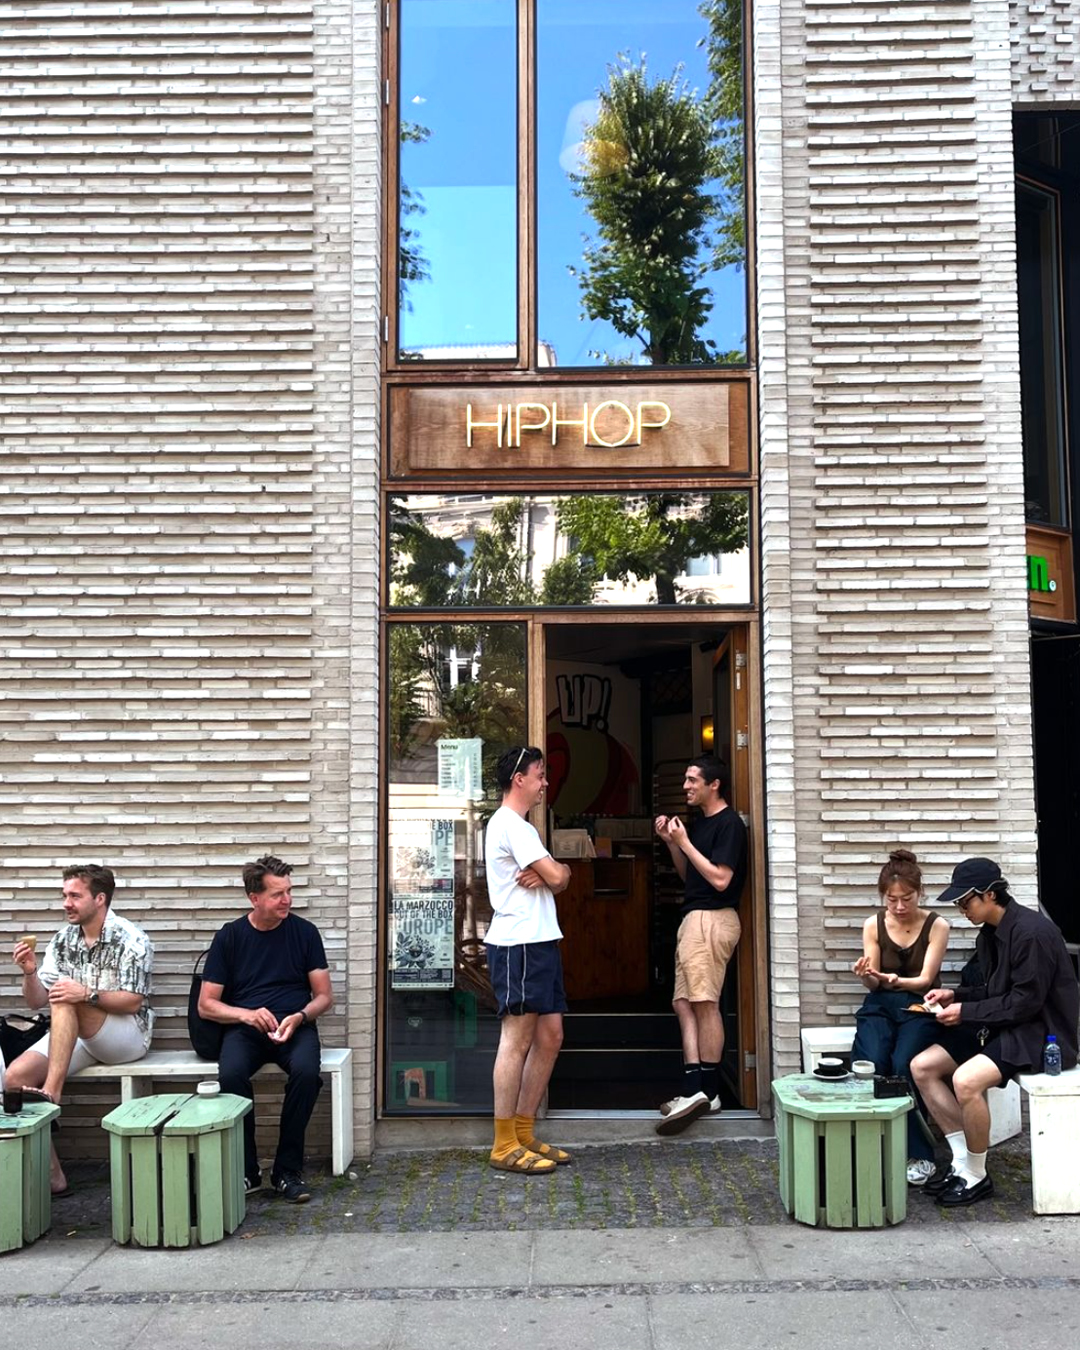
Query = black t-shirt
x=265 y=970
x=722 y=839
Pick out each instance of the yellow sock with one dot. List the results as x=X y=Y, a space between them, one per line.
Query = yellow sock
x=506 y=1139
x=525 y=1127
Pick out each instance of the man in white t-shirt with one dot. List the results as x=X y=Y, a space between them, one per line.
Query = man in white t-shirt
x=524 y=963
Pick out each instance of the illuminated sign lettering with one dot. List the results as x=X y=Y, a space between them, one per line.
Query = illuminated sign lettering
x=608 y=424
x=1039 y=578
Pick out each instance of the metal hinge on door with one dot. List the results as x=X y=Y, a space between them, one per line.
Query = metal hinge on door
x=742 y=740
x=749 y=1061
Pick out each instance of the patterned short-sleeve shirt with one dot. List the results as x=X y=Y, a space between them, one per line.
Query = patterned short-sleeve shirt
x=122 y=959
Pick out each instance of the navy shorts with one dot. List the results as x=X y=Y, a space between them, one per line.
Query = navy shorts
x=527 y=978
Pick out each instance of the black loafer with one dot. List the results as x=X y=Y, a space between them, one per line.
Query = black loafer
x=938 y=1179
x=956 y=1193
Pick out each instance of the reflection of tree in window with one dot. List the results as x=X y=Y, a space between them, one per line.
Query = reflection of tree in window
x=412 y=265
x=650 y=536
x=663 y=182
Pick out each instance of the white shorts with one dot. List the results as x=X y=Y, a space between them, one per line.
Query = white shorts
x=119 y=1041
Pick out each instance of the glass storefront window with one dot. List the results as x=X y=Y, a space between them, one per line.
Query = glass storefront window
x=457 y=700
x=457 y=198
x=641 y=228
x=1041 y=380
x=517 y=551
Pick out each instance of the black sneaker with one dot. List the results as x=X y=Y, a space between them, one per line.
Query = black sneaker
x=253 y=1184
x=957 y=1192
x=289 y=1187
x=941 y=1176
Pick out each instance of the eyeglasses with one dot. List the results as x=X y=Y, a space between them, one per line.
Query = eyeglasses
x=964 y=899
x=525 y=750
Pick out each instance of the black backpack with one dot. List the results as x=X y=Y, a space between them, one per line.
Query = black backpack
x=206 y=1036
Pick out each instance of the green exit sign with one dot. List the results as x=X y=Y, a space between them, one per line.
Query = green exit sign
x=1039 y=578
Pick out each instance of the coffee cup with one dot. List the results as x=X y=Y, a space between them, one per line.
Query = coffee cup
x=828 y=1066
x=862 y=1068
x=12 y=1101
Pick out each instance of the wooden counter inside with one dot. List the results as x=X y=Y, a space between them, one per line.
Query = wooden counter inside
x=604 y=916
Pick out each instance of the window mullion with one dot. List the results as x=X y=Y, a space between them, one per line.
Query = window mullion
x=526 y=126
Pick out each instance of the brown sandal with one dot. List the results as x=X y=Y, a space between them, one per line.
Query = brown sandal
x=522 y=1160
x=552 y=1152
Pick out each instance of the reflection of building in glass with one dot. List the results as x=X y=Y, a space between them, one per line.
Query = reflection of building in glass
x=532 y=541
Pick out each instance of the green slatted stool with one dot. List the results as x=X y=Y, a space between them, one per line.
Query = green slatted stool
x=25 y=1198
x=177 y=1168
x=843 y=1152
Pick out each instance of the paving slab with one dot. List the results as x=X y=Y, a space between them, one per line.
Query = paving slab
x=235 y=1265
x=649 y=1256
x=418 y=1261
x=617 y=1323
x=88 y=1328
x=993 y=1319
x=1046 y=1246
x=839 y=1320
x=368 y=1325
x=47 y=1268
x=804 y=1253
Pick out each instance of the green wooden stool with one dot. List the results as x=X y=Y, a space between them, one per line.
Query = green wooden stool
x=25 y=1198
x=177 y=1168
x=843 y=1152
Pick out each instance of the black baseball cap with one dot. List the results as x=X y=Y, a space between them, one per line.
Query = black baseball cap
x=973 y=874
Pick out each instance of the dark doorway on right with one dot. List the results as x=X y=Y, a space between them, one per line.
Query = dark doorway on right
x=1047 y=150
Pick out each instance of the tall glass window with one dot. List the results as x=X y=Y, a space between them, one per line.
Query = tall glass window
x=457 y=198
x=513 y=551
x=1042 y=388
x=641 y=228
x=457 y=701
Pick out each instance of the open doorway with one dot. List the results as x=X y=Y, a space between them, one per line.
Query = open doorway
x=626 y=708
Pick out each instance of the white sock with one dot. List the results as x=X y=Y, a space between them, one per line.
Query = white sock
x=958 y=1144
x=974 y=1168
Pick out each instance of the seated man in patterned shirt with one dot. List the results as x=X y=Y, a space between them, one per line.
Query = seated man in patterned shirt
x=95 y=978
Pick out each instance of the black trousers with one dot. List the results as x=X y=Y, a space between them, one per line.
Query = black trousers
x=244 y=1051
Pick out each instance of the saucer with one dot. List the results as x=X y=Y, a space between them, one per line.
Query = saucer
x=831 y=1077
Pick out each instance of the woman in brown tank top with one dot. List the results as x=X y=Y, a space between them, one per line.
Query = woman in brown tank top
x=903 y=948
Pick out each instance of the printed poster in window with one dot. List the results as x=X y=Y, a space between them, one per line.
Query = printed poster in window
x=442 y=851
x=460 y=773
x=422 y=941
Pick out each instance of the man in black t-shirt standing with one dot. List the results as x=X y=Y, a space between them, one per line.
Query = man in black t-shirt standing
x=710 y=857
x=266 y=978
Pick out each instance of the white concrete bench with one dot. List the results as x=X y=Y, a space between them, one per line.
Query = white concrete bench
x=1054 y=1119
x=1004 y=1102
x=137 y=1080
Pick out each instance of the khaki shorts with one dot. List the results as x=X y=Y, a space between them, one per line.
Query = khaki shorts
x=707 y=937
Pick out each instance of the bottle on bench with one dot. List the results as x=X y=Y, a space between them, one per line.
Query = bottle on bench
x=1052 y=1057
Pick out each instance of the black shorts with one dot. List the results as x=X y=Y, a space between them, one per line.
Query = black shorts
x=527 y=978
x=962 y=1043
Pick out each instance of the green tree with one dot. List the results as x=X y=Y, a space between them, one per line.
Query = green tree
x=412 y=265
x=724 y=100
x=651 y=536
x=649 y=158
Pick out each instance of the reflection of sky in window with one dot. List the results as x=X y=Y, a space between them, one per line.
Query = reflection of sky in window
x=458 y=80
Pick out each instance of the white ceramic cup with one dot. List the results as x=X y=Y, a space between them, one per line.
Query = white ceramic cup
x=862 y=1068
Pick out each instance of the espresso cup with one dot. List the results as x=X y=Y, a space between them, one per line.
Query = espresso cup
x=830 y=1067
x=862 y=1068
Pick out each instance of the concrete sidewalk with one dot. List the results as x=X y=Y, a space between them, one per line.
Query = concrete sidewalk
x=979 y=1285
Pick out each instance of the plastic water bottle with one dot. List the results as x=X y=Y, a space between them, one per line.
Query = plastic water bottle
x=1052 y=1057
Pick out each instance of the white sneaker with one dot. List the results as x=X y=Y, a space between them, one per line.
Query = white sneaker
x=684 y=1111
x=665 y=1107
x=919 y=1171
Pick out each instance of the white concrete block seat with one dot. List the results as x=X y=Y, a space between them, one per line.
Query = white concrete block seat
x=137 y=1080
x=1004 y=1102
x=1054 y=1122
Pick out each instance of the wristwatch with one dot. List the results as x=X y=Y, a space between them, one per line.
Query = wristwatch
x=304 y=1019
x=93 y=998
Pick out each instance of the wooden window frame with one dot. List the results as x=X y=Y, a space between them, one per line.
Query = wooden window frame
x=525 y=364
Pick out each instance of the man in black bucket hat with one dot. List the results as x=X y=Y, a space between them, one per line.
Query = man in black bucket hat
x=995 y=1030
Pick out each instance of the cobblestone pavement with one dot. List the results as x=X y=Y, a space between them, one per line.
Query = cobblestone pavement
x=676 y=1184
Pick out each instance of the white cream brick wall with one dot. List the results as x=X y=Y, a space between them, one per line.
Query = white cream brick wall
x=891 y=469
x=1045 y=42
x=188 y=391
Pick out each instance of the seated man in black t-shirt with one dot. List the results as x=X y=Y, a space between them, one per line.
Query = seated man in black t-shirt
x=711 y=859
x=267 y=980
